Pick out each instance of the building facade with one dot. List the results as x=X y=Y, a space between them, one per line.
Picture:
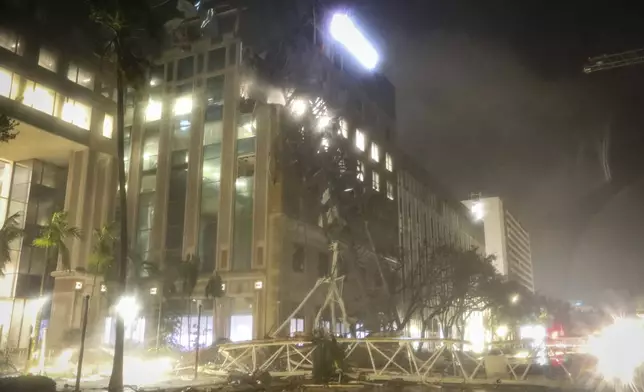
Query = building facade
x=428 y=217
x=506 y=239
x=62 y=159
x=206 y=179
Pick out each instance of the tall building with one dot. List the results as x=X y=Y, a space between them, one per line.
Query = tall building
x=505 y=238
x=207 y=179
x=429 y=216
x=62 y=159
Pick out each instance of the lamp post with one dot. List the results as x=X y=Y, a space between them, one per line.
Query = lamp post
x=199 y=310
x=81 y=352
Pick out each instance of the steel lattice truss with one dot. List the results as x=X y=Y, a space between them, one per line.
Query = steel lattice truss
x=427 y=361
x=610 y=61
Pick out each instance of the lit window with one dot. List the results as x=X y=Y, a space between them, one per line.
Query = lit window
x=153 y=111
x=344 y=128
x=108 y=126
x=10 y=41
x=390 y=190
x=9 y=84
x=375 y=183
x=375 y=152
x=297 y=325
x=39 y=97
x=76 y=113
x=360 y=140
x=389 y=163
x=47 y=59
x=80 y=76
x=183 y=105
x=360 y=171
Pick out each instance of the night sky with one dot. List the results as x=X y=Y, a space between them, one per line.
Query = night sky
x=492 y=98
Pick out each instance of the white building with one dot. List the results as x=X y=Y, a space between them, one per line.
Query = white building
x=505 y=238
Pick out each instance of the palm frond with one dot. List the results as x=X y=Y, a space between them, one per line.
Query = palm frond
x=9 y=232
x=42 y=242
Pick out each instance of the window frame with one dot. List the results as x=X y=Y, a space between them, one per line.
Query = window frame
x=374 y=152
x=360 y=140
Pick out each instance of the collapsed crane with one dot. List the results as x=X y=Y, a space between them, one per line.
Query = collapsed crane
x=616 y=60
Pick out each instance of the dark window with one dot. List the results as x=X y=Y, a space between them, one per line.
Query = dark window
x=232 y=54
x=185 y=68
x=215 y=90
x=298 y=258
x=216 y=59
x=156 y=73
x=323 y=264
x=169 y=75
x=227 y=24
x=200 y=60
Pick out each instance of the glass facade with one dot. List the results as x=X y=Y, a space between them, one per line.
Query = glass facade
x=181 y=129
x=147 y=191
x=211 y=174
x=244 y=193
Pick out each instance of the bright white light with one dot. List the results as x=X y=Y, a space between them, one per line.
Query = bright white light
x=515 y=298
x=108 y=126
x=361 y=141
x=299 y=107
x=183 y=105
x=323 y=122
x=502 y=331
x=478 y=212
x=475 y=332
x=344 y=31
x=128 y=309
x=618 y=350
x=153 y=111
x=535 y=332
x=140 y=371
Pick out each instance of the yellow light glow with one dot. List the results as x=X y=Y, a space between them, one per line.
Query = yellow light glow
x=153 y=111
x=502 y=331
x=76 y=113
x=617 y=349
x=183 y=105
x=39 y=98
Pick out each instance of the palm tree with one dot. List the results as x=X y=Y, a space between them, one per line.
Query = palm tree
x=102 y=257
x=9 y=232
x=127 y=22
x=52 y=240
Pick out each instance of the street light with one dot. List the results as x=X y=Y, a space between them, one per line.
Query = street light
x=128 y=308
x=299 y=107
x=502 y=331
x=515 y=298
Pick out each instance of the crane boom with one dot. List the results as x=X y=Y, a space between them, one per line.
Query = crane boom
x=617 y=60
